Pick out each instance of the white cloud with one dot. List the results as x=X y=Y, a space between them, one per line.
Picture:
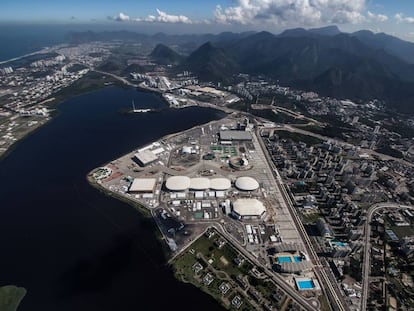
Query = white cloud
x=291 y=12
x=403 y=19
x=377 y=17
x=164 y=17
x=121 y=17
x=161 y=17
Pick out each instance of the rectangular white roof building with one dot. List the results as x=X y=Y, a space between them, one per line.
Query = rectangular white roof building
x=143 y=185
x=145 y=157
x=235 y=135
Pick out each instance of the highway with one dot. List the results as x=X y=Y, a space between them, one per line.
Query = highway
x=367 y=258
x=331 y=290
x=123 y=80
x=329 y=287
x=289 y=290
x=275 y=277
x=284 y=127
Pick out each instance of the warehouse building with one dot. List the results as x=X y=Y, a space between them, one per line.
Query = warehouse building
x=235 y=136
x=143 y=185
x=145 y=157
x=248 y=209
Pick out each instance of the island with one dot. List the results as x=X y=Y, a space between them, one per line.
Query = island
x=10 y=297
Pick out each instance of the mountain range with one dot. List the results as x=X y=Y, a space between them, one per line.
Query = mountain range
x=360 y=66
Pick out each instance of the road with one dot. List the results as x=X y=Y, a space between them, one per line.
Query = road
x=331 y=290
x=275 y=277
x=342 y=143
x=123 y=80
x=285 y=127
x=367 y=258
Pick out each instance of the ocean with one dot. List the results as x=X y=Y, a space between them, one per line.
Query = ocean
x=20 y=39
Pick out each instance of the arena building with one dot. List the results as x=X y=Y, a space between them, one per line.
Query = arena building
x=220 y=184
x=248 y=209
x=246 y=183
x=178 y=183
x=199 y=183
x=182 y=183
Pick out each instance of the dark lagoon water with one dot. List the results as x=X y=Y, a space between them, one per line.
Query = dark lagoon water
x=69 y=245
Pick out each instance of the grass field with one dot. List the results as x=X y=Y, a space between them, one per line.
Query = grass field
x=10 y=297
x=217 y=259
x=403 y=231
x=297 y=137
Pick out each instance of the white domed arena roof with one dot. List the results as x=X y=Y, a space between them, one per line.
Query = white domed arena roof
x=178 y=183
x=246 y=183
x=220 y=184
x=199 y=183
x=248 y=207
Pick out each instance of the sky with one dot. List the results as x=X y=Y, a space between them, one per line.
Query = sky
x=394 y=17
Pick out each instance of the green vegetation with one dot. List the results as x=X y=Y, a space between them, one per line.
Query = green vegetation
x=10 y=297
x=128 y=49
x=386 y=149
x=76 y=68
x=90 y=82
x=297 y=137
x=403 y=231
x=278 y=117
x=218 y=261
x=398 y=127
x=310 y=218
x=241 y=105
x=324 y=303
x=335 y=128
x=165 y=55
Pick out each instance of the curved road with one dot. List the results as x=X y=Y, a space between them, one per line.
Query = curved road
x=367 y=258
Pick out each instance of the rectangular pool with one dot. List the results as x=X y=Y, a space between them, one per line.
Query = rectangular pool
x=305 y=284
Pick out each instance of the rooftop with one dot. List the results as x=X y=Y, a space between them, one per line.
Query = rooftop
x=146 y=157
x=248 y=207
x=246 y=183
x=235 y=135
x=178 y=183
x=142 y=185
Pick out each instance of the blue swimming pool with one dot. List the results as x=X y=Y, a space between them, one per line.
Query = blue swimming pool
x=305 y=284
x=282 y=259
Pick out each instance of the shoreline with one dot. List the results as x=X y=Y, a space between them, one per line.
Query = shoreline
x=52 y=102
x=22 y=56
x=145 y=212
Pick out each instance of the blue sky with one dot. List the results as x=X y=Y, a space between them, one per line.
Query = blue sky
x=390 y=16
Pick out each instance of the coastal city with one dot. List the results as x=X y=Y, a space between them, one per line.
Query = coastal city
x=292 y=201
x=30 y=84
